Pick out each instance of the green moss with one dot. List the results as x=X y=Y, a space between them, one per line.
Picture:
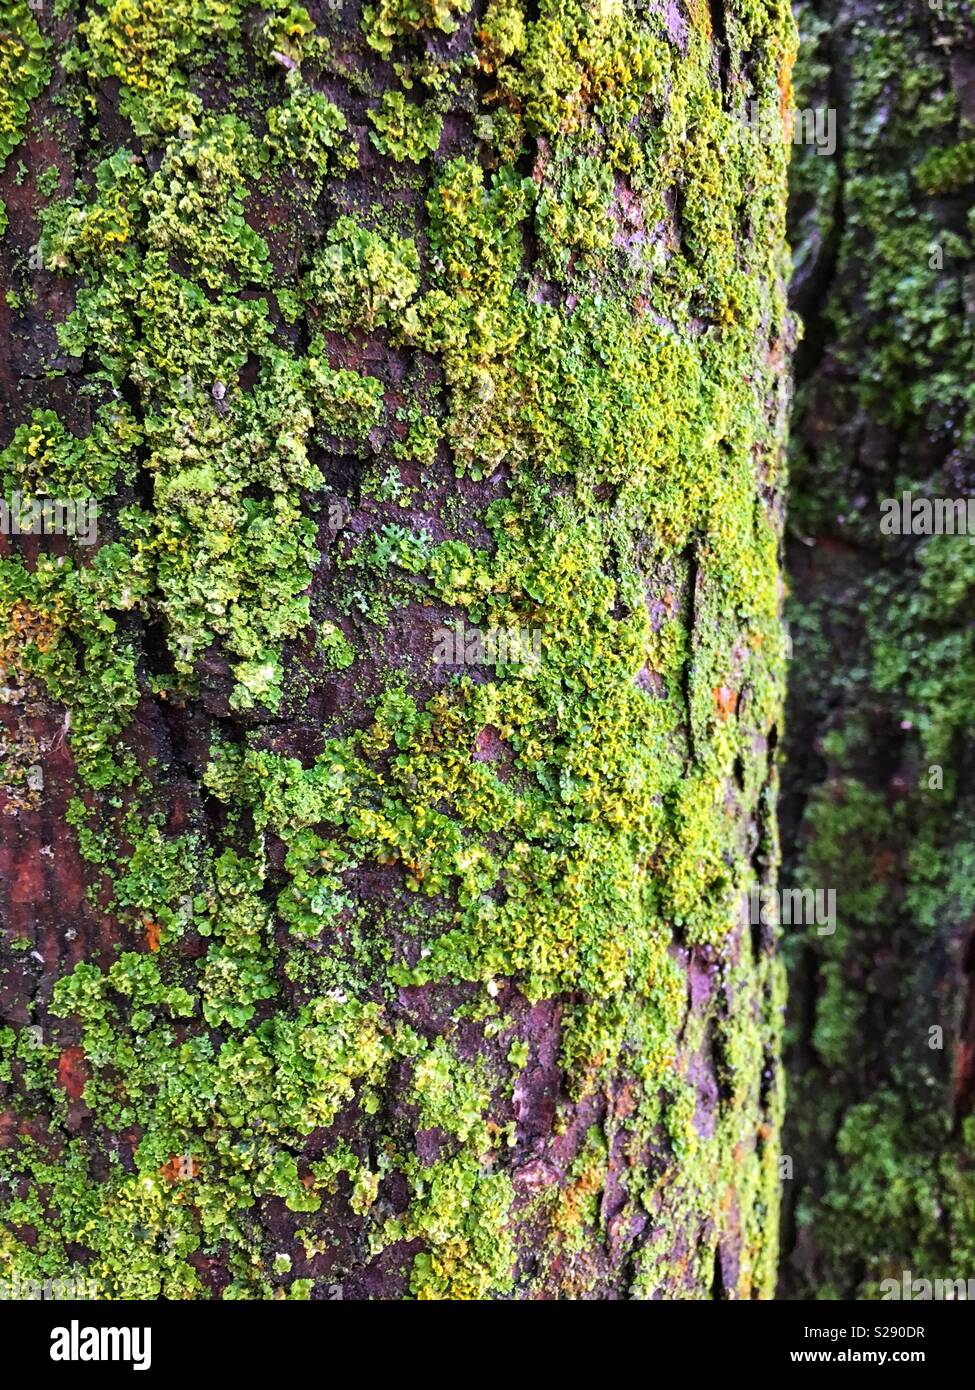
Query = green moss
x=894 y=1190
x=947 y=171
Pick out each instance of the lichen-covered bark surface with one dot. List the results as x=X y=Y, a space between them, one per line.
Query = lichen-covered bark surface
x=880 y=798
x=337 y=960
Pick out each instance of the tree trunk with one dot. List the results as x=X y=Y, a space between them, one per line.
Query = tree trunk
x=383 y=782
x=879 y=802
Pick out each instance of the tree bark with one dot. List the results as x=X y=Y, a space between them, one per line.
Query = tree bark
x=383 y=783
x=878 y=802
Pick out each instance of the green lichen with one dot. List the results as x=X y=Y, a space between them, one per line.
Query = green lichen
x=25 y=68
x=562 y=831
x=392 y=20
x=306 y=132
x=360 y=277
x=405 y=130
